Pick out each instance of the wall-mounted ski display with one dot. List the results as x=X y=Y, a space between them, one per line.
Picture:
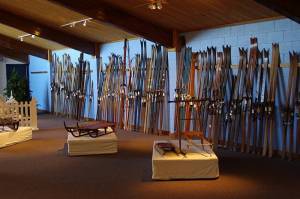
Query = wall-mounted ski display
x=71 y=87
x=238 y=109
x=135 y=92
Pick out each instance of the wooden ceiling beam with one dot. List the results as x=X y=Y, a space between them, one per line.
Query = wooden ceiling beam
x=288 y=8
x=47 y=32
x=14 y=54
x=107 y=13
x=11 y=43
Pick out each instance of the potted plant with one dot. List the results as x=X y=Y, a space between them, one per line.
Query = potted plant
x=18 y=87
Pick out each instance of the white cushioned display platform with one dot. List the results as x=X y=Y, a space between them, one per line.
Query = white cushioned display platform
x=198 y=163
x=86 y=145
x=9 y=137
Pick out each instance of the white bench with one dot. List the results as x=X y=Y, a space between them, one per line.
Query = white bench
x=9 y=137
x=85 y=145
x=198 y=163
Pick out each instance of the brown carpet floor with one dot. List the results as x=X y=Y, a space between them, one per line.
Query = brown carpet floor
x=40 y=169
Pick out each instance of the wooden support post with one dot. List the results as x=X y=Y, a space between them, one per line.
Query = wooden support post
x=33 y=114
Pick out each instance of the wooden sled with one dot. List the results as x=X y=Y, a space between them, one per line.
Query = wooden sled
x=9 y=122
x=93 y=129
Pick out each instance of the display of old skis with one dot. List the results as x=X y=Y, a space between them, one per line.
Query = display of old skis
x=100 y=81
x=270 y=104
x=227 y=94
x=71 y=87
x=123 y=87
x=156 y=114
x=288 y=109
x=191 y=91
x=135 y=97
x=236 y=103
x=260 y=108
x=236 y=111
x=297 y=105
x=248 y=95
x=110 y=98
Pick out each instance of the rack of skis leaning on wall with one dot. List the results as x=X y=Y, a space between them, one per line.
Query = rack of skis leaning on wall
x=134 y=92
x=71 y=87
x=254 y=108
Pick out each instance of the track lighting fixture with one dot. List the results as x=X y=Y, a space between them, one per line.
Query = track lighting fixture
x=152 y=6
x=21 y=37
x=73 y=23
x=159 y=5
x=156 y=5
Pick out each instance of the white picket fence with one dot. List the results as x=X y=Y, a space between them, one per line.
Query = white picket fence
x=25 y=112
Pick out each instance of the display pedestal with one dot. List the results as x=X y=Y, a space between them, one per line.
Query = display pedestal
x=86 y=145
x=200 y=162
x=9 y=137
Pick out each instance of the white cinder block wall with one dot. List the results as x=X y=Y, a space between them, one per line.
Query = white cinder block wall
x=284 y=31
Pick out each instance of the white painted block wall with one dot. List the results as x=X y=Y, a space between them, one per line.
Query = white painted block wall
x=284 y=31
x=39 y=83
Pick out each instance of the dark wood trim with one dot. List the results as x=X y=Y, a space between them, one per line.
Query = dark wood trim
x=49 y=56
x=288 y=8
x=178 y=41
x=47 y=32
x=107 y=13
x=26 y=48
x=97 y=50
x=14 y=54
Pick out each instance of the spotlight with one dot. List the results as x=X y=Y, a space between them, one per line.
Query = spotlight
x=156 y=5
x=36 y=33
x=32 y=36
x=152 y=6
x=21 y=39
x=73 y=23
x=159 y=5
